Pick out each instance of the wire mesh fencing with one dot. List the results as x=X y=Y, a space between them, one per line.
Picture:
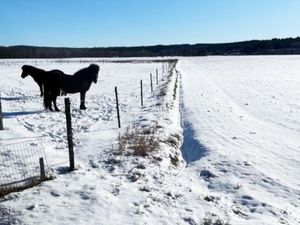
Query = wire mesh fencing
x=22 y=165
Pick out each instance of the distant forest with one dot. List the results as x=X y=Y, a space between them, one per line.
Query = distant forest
x=254 y=47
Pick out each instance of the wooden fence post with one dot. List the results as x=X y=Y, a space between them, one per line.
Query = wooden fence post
x=151 y=84
x=157 y=76
x=118 y=112
x=142 y=93
x=42 y=169
x=69 y=133
x=1 y=115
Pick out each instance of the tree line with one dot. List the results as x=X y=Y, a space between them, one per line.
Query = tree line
x=253 y=47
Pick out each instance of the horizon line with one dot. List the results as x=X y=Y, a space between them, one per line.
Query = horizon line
x=154 y=45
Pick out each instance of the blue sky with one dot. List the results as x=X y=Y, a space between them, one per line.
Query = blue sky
x=103 y=23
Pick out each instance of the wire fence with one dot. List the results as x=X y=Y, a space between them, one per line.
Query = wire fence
x=22 y=165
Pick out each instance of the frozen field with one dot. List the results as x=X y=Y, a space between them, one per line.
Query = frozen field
x=239 y=120
x=243 y=114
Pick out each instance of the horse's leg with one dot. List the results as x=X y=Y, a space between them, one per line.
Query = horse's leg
x=47 y=98
x=51 y=100
x=55 y=94
x=50 y=105
x=41 y=89
x=82 y=100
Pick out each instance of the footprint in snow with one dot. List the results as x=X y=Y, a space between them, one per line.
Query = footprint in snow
x=84 y=196
x=207 y=174
x=54 y=193
x=30 y=208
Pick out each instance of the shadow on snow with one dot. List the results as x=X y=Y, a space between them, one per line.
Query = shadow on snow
x=12 y=98
x=192 y=150
x=20 y=113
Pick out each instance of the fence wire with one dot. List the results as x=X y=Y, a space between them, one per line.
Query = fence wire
x=20 y=165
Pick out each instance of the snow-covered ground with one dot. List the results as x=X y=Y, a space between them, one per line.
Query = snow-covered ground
x=238 y=120
x=241 y=119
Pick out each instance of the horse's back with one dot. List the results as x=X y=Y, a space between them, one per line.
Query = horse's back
x=78 y=82
x=58 y=79
x=57 y=71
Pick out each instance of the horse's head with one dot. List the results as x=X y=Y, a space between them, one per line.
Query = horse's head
x=94 y=70
x=25 y=71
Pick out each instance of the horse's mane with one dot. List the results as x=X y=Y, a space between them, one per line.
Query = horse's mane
x=28 y=67
x=92 y=70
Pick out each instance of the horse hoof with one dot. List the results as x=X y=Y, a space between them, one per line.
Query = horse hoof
x=82 y=107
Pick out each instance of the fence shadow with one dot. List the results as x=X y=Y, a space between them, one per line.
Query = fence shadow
x=12 y=98
x=20 y=113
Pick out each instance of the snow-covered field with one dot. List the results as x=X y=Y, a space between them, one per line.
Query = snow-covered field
x=238 y=164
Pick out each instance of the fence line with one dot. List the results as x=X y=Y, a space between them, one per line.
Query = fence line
x=165 y=71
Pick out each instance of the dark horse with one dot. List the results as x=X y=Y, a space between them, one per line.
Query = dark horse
x=55 y=81
x=79 y=82
x=38 y=75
